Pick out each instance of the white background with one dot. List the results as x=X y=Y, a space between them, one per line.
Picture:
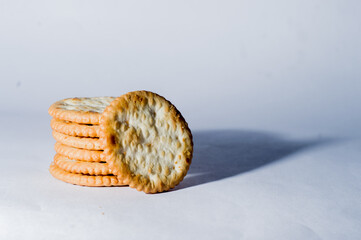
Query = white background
x=283 y=76
x=273 y=65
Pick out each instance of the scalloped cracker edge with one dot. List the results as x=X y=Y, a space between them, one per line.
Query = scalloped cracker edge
x=74 y=166
x=79 y=154
x=79 y=142
x=84 y=180
x=75 y=129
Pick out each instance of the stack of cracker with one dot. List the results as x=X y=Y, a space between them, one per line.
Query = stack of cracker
x=76 y=129
x=138 y=139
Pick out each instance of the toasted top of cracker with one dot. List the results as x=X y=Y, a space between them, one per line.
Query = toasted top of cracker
x=147 y=141
x=93 y=104
x=80 y=110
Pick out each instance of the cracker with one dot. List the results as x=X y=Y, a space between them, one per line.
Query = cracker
x=74 y=166
x=84 y=180
x=78 y=154
x=75 y=129
x=78 y=142
x=147 y=142
x=80 y=110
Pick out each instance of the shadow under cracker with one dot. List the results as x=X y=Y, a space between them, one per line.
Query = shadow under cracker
x=219 y=154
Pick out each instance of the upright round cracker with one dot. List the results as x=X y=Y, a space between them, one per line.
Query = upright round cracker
x=84 y=180
x=75 y=129
x=80 y=110
x=79 y=154
x=74 y=166
x=147 y=142
x=79 y=142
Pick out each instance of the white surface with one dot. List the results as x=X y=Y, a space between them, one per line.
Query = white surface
x=241 y=185
x=274 y=65
x=279 y=67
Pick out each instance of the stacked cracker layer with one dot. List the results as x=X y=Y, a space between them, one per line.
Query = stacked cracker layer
x=138 y=139
x=76 y=129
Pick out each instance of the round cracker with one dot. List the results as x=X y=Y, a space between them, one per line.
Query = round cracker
x=80 y=110
x=74 y=166
x=147 y=142
x=84 y=180
x=78 y=154
x=75 y=129
x=79 y=142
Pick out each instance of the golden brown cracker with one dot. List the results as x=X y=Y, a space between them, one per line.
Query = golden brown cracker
x=79 y=154
x=84 y=180
x=146 y=141
x=80 y=110
x=75 y=129
x=78 y=142
x=74 y=166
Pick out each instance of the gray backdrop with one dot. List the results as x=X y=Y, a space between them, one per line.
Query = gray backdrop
x=284 y=66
